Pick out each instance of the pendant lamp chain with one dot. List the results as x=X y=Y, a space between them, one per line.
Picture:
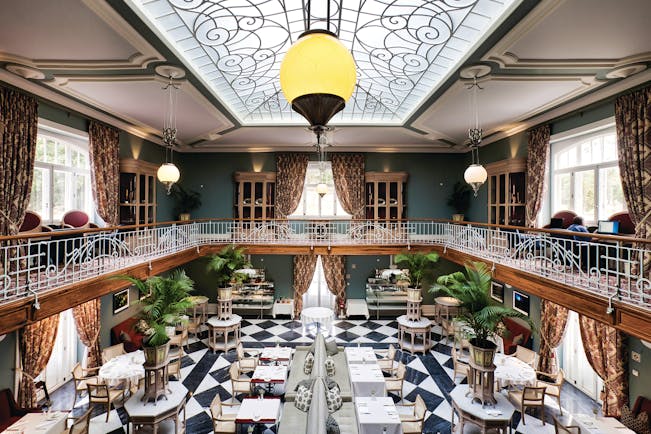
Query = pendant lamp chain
x=168 y=173
x=475 y=175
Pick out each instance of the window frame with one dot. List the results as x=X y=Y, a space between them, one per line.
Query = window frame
x=72 y=139
x=303 y=202
x=574 y=138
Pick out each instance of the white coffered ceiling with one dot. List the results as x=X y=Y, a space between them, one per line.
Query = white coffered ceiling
x=99 y=58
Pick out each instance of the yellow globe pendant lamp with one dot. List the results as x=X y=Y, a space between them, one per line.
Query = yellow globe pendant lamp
x=318 y=76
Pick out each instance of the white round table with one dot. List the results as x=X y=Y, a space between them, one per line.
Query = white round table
x=123 y=368
x=511 y=371
x=321 y=315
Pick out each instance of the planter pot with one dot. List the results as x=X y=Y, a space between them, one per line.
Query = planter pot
x=184 y=217
x=457 y=217
x=156 y=356
x=225 y=293
x=413 y=294
x=482 y=353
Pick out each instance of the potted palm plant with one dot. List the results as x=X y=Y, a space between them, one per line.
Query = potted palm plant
x=480 y=313
x=417 y=264
x=165 y=300
x=186 y=201
x=459 y=200
x=225 y=265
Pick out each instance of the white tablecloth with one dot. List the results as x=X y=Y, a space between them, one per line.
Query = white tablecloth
x=125 y=367
x=276 y=353
x=39 y=423
x=376 y=414
x=268 y=374
x=367 y=380
x=600 y=425
x=259 y=410
x=321 y=315
x=510 y=371
x=360 y=355
x=280 y=308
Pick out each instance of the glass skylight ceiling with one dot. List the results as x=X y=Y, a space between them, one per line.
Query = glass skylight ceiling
x=403 y=49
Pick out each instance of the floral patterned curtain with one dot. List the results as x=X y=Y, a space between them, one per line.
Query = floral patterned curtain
x=36 y=343
x=537 y=155
x=104 y=152
x=87 y=321
x=633 y=123
x=290 y=179
x=18 y=130
x=334 y=270
x=605 y=349
x=552 y=328
x=348 y=176
x=304 y=266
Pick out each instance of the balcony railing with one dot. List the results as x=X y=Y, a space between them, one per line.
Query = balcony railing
x=606 y=265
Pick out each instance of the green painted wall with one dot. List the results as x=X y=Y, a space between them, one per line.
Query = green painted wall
x=641 y=384
x=360 y=268
x=109 y=320
x=7 y=361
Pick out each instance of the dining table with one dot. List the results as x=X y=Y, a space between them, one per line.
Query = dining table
x=591 y=424
x=377 y=415
x=511 y=371
x=367 y=379
x=125 y=368
x=258 y=412
x=278 y=354
x=54 y=422
x=271 y=377
x=361 y=355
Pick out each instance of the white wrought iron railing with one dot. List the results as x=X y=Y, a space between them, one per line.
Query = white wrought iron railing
x=606 y=265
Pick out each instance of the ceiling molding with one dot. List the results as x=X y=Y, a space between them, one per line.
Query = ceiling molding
x=74 y=105
x=387 y=149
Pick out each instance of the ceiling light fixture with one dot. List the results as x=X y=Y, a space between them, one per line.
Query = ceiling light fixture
x=318 y=73
x=168 y=173
x=475 y=175
x=321 y=144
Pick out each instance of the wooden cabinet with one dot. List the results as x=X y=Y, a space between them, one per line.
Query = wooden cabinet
x=386 y=195
x=255 y=195
x=506 y=192
x=137 y=192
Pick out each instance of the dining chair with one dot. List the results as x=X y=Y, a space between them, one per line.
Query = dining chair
x=460 y=368
x=238 y=385
x=100 y=393
x=247 y=363
x=76 y=219
x=529 y=397
x=526 y=355
x=553 y=388
x=394 y=384
x=112 y=352
x=387 y=362
x=413 y=423
x=562 y=427
x=447 y=329
x=180 y=339
x=223 y=423
x=33 y=223
x=174 y=363
x=80 y=377
x=81 y=424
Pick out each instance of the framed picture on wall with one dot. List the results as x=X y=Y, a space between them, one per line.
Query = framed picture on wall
x=521 y=302
x=120 y=301
x=497 y=291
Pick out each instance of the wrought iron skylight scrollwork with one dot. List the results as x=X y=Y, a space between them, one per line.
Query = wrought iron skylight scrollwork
x=403 y=48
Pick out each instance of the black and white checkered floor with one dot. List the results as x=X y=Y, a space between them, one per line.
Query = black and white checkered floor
x=205 y=374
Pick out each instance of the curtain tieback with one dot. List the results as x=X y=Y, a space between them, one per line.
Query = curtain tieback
x=614 y=378
x=12 y=223
x=26 y=374
x=94 y=340
x=644 y=219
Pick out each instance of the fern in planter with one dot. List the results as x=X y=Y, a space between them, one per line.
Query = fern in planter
x=226 y=263
x=459 y=199
x=186 y=201
x=417 y=264
x=165 y=301
x=478 y=310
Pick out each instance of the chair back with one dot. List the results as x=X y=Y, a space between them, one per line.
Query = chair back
x=420 y=408
x=31 y=223
x=401 y=371
x=77 y=372
x=97 y=392
x=81 y=425
x=626 y=226
x=567 y=216
x=240 y=351
x=216 y=407
x=560 y=428
x=533 y=395
x=526 y=355
x=77 y=219
x=113 y=351
x=391 y=353
x=234 y=371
